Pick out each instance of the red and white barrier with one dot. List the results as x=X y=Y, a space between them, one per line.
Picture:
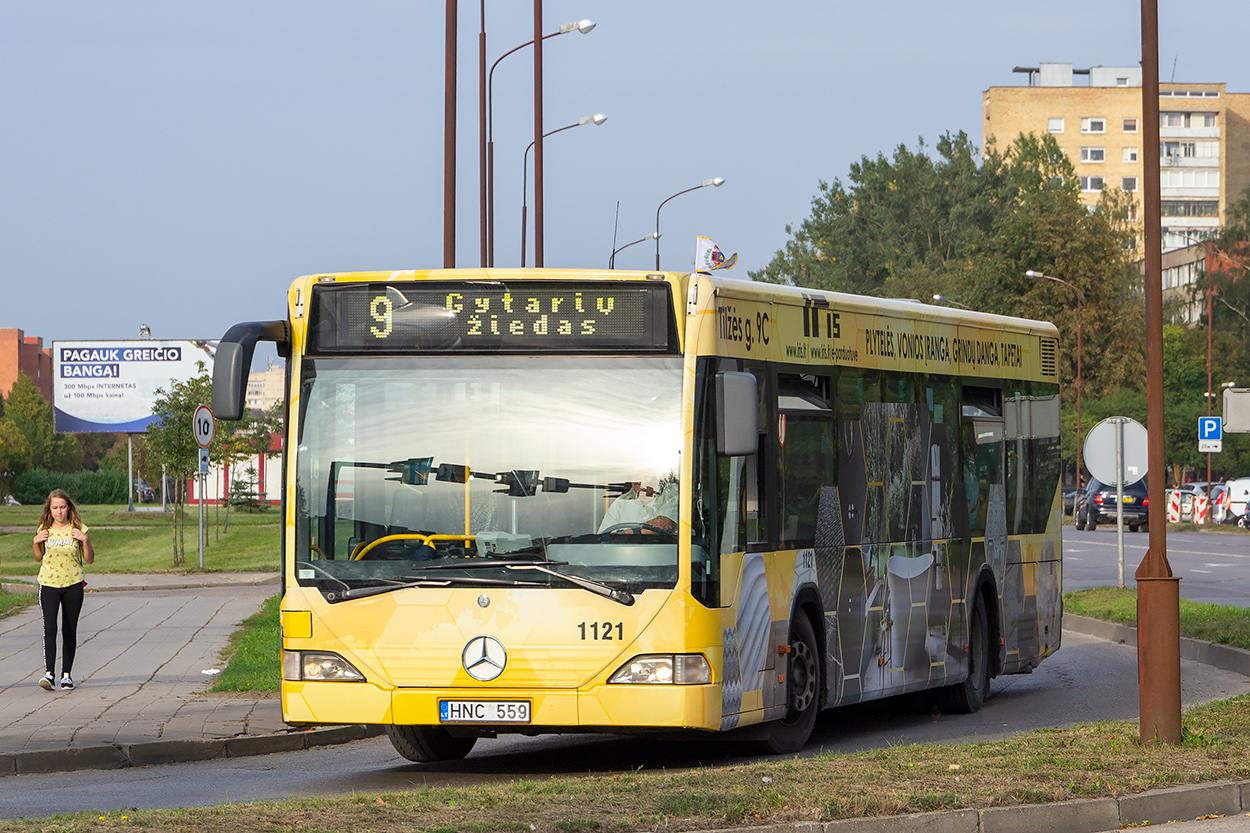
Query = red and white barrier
x=1174 y=507
x=1200 y=509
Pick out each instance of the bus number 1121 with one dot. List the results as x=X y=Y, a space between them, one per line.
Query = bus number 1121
x=602 y=631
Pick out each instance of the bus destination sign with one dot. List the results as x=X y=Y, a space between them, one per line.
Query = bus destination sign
x=482 y=316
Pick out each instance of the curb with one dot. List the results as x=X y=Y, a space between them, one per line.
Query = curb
x=1224 y=657
x=1080 y=816
x=149 y=753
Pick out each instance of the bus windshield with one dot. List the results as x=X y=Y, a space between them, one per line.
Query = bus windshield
x=461 y=471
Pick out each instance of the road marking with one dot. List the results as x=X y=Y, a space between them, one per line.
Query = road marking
x=1171 y=551
x=1200 y=571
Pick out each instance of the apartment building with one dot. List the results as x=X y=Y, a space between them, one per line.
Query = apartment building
x=20 y=353
x=1095 y=115
x=266 y=387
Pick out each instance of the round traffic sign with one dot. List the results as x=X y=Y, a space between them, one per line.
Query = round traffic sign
x=203 y=424
x=1100 y=451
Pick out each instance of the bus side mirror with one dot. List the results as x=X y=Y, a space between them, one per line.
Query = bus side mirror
x=737 y=414
x=234 y=359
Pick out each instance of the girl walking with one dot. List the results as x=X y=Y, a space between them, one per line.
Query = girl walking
x=62 y=546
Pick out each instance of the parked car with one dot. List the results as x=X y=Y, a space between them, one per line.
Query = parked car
x=1097 y=505
x=1233 y=502
x=1069 y=500
x=144 y=492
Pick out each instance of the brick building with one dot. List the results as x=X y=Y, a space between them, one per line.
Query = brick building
x=1096 y=117
x=20 y=353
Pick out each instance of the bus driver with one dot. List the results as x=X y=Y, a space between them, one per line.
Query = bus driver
x=644 y=509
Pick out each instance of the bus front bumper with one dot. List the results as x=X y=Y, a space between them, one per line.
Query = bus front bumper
x=620 y=707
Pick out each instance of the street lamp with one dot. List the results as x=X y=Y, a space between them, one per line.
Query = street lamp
x=1079 y=301
x=655 y=235
x=716 y=182
x=597 y=118
x=942 y=299
x=487 y=136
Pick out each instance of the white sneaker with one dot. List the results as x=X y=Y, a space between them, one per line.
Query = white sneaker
x=67 y=684
x=47 y=682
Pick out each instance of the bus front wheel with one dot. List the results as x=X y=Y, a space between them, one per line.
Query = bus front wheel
x=426 y=744
x=790 y=734
x=966 y=697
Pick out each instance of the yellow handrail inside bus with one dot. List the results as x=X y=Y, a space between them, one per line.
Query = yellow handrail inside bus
x=363 y=548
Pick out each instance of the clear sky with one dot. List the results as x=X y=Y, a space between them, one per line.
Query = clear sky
x=177 y=164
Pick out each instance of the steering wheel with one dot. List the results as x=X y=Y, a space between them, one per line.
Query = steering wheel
x=637 y=527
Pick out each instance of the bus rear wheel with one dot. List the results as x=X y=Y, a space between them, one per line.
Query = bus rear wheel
x=426 y=744
x=966 y=697
x=790 y=734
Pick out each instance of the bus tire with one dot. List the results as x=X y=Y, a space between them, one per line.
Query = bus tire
x=426 y=744
x=790 y=734
x=966 y=697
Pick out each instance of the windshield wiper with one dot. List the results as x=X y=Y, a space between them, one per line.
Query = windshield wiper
x=390 y=585
x=541 y=565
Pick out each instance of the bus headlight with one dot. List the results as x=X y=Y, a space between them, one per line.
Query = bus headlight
x=318 y=666
x=661 y=669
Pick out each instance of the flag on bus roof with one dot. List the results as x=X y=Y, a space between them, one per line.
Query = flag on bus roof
x=708 y=257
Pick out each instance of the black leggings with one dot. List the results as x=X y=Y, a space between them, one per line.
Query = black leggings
x=69 y=599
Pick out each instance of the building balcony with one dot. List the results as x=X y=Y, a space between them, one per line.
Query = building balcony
x=1189 y=161
x=1189 y=132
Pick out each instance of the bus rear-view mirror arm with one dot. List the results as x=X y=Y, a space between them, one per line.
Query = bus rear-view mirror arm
x=234 y=360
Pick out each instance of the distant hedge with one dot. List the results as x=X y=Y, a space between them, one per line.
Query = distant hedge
x=31 y=488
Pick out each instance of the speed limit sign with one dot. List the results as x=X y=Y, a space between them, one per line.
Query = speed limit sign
x=202 y=424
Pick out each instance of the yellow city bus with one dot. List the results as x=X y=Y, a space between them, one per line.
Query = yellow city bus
x=532 y=501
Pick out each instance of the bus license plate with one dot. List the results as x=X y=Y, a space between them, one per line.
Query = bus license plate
x=483 y=711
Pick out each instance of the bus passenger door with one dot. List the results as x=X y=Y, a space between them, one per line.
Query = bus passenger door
x=982 y=432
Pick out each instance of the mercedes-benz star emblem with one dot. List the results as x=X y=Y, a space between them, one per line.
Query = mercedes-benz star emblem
x=484 y=658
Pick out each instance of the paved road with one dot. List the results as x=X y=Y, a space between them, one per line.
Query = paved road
x=1214 y=565
x=1088 y=679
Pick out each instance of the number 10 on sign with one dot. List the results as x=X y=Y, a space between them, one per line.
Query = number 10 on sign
x=203 y=424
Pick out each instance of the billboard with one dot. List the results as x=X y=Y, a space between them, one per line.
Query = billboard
x=111 y=385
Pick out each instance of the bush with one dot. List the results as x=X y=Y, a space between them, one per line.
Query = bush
x=84 y=487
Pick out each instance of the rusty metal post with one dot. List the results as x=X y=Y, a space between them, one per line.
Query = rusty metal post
x=538 y=133
x=449 y=141
x=1158 y=591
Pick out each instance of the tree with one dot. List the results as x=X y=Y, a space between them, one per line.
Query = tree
x=171 y=441
x=908 y=218
x=911 y=226
x=14 y=455
x=32 y=416
x=243 y=439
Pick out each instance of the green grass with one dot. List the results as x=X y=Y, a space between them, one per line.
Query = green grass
x=255 y=653
x=10 y=602
x=142 y=542
x=1224 y=624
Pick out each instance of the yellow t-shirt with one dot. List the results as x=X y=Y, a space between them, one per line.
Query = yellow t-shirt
x=62 y=559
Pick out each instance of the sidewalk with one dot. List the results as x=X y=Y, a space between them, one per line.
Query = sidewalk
x=147 y=647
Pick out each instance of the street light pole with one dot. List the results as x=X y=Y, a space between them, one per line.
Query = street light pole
x=488 y=211
x=1079 y=318
x=612 y=260
x=598 y=118
x=449 y=138
x=715 y=182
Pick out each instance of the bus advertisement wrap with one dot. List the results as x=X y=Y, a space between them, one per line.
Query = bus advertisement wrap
x=111 y=385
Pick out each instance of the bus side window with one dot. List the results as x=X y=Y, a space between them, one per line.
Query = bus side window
x=982 y=431
x=808 y=454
